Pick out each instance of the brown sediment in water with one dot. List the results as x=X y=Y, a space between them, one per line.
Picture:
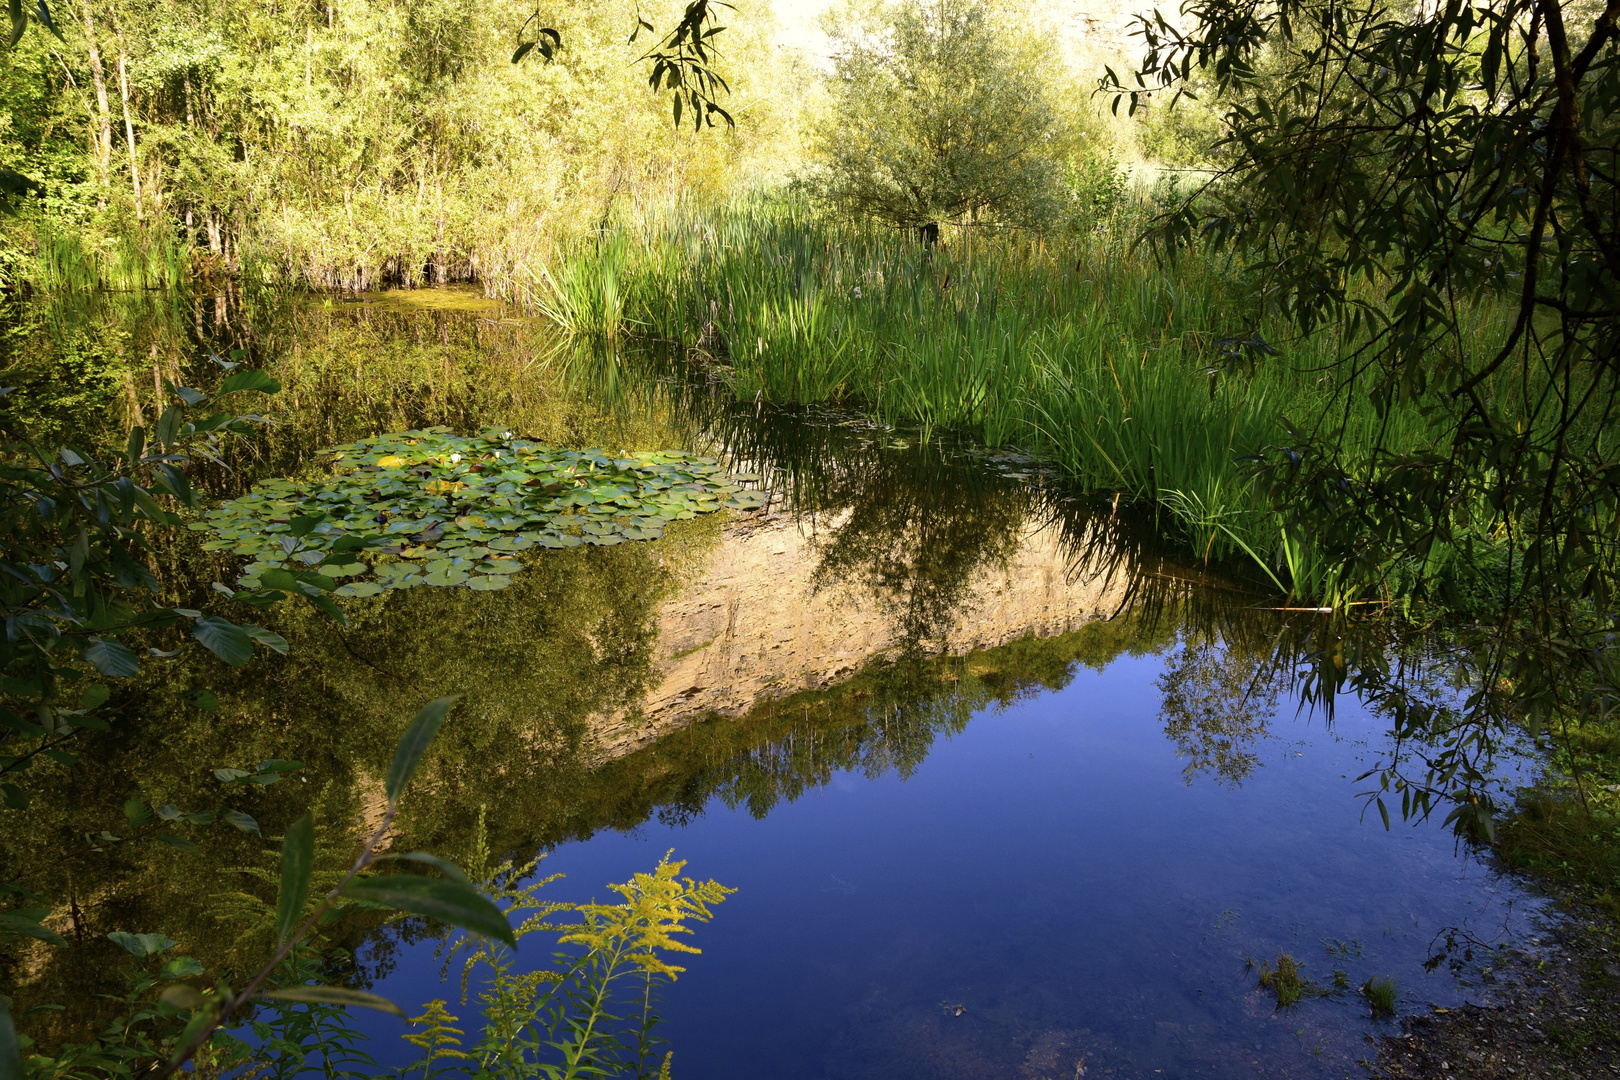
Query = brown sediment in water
x=1556 y=1016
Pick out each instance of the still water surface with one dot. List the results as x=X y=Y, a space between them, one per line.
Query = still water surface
x=1053 y=870
x=1003 y=792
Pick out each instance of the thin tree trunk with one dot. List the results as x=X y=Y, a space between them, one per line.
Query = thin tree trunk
x=129 y=132
x=101 y=131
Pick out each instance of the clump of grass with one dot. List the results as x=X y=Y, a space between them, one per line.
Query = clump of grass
x=1126 y=374
x=1284 y=980
x=1380 y=992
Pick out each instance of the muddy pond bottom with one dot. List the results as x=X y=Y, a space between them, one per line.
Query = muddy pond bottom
x=1056 y=891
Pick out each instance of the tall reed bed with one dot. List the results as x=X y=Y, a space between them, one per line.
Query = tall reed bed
x=1130 y=375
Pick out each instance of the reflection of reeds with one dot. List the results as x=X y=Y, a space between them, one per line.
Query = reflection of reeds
x=1131 y=376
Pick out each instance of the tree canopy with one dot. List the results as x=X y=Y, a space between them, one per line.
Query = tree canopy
x=942 y=111
x=1386 y=170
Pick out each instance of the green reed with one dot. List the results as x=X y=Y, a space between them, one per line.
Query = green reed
x=1125 y=372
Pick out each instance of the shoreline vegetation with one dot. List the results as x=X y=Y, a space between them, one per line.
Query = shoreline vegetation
x=1379 y=397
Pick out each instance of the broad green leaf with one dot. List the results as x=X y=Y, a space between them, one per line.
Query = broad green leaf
x=414 y=743
x=181 y=967
x=279 y=579
x=141 y=946
x=333 y=995
x=20 y=922
x=436 y=898
x=249 y=379
x=111 y=658
x=137 y=813
x=273 y=642
x=241 y=821
x=224 y=639
x=297 y=867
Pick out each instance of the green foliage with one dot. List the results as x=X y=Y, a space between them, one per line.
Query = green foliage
x=1130 y=377
x=1286 y=982
x=568 y=1030
x=372 y=143
x=456 y=511
x=940 y=112
x=1385 y=174
x=1381 y=993
x=76 y=572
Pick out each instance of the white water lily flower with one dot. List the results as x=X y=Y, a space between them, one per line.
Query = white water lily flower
x=506 y=434
x=454 y=458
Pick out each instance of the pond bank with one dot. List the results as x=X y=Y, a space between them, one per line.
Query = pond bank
x=1558 y=1018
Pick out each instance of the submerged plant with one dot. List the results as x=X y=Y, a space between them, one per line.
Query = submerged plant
x=1285 y=981
x=1380 y=991
x=455 y=510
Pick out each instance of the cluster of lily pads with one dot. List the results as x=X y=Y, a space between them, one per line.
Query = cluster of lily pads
x=432 y=508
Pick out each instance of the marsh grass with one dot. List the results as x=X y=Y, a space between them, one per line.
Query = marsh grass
x=1284 y=980
x=1134 y=377
x=1381 y=993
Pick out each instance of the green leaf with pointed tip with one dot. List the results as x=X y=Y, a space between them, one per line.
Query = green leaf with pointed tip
x=249 y=379
x=22 y=922
x=446 y=900
x=297 y=867
x=111 y=658
x=241 y=821
x=224 y=639
x=414 y=743
x=333 y=995
x=141 y=946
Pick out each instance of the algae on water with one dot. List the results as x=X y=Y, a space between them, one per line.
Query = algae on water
x=432 y=508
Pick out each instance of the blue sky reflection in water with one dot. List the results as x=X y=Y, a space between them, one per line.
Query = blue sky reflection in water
x=1052 y=870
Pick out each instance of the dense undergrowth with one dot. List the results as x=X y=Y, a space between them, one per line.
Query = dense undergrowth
x=1136 y=375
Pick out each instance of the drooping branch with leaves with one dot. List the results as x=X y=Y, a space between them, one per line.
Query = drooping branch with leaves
x=1387 y=169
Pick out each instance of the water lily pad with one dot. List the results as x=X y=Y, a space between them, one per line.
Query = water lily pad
x=450 y=505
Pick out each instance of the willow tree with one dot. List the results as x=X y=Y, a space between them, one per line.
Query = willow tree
x=1389 y=168
x=941 y=111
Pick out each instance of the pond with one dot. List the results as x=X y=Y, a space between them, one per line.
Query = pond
x=1004 y=792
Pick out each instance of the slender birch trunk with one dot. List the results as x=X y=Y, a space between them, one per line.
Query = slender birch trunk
x=129 y=132
x=101 y=122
